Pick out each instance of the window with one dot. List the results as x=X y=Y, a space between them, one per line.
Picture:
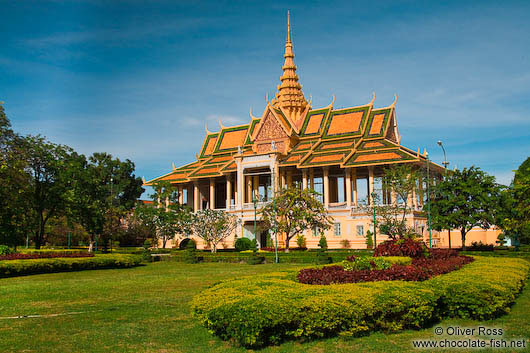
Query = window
x=336 y=228
x=360 y=230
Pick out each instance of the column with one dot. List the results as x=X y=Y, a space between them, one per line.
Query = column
x=312 y=178
x=304 y=179
x=347 y=182
x=326 y=186
x=249 y=189
x=181 y=194
x=420 y=190
x=394 y=196
x=195 y=196
x=370 y=184
x=289 y=177
x=228 y=190
x=255 y=186
x=354 y=185
x=283 y=179
x=276 y=178
x=239 y=186
x=212 y=194
x=414 y=198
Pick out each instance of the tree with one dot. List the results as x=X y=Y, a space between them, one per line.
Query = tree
x=514 y=210
x=105 y=192
x=213 y=226
x=465 y=199
x=165 y=215
x=402 y=179
x=16 y=214
x=50 y=167
x=295 y=211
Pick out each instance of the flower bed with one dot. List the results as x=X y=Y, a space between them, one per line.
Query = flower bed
x=267 y=309
x=44 y=255
x=11 y=268
x=420 y=269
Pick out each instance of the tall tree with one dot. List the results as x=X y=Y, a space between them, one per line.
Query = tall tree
x=294 y=211
x=16 y=217
x=105 y=191
x=514 y=212
x=465 y=199
x=49 y=166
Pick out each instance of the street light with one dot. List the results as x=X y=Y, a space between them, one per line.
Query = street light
x=428 y=199
x=445 y=162
x=374 y=195
x=255 y=202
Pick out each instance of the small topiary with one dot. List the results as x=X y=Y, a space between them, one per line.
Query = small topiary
x=190 y=256
x=5 y=250
x=322 y=254
x=146 y=253
x=243 y=244
x=369 y=240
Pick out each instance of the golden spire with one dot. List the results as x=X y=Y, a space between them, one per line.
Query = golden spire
x=289 y=95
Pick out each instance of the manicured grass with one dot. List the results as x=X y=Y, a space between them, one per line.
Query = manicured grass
x=146 y=309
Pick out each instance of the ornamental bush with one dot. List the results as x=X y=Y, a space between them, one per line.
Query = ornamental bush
x=5 y=250
x=243 y=244
x=44 y=255
x=402 y=247
x=13 y=268
x=267 y=309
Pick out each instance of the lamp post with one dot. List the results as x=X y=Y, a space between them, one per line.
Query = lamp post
x=429 y=200
x=374 y=195
x=445 y=164
x=255 y=202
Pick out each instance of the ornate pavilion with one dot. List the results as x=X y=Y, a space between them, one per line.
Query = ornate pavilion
x=340 y=153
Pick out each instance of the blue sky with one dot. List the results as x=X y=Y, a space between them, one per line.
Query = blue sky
x=138 y=79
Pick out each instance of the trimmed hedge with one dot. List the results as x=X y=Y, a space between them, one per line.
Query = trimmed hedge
x=267 y=309
x=301 y=257
x=12 y=268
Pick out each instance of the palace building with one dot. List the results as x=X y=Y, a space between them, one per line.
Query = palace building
x=340 y=153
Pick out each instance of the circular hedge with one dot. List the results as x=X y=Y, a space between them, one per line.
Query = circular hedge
x=267 y=309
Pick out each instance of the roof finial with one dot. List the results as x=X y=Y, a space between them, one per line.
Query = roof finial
x=373 y=98
x=288 y=27
x=206 y=129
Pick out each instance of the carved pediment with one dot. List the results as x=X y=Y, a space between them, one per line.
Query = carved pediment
x=270 y=129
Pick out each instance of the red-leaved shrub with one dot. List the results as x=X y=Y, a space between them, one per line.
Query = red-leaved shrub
x=46 y=255
x=401 y=247
x=421 y=269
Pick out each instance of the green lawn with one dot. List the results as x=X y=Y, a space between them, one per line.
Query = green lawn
x=146 y=309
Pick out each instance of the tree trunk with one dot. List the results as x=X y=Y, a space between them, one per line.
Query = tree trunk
x=91 y=246
x=463 y=233
x=164 y=241
x=287 y=244
x=214 y=248
x=449 y=235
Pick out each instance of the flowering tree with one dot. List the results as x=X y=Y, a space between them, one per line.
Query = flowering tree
x=295 y=211
x=165 y=215
x=213 y=226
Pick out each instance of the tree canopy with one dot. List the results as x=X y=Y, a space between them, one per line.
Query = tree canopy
x=294 y=211
x=465 y=199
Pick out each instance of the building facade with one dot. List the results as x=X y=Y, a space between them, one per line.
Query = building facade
x=340 y=153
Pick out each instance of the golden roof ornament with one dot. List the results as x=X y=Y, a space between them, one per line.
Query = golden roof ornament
x=290 y=96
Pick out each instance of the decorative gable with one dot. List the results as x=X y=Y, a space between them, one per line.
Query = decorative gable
x=271 y=134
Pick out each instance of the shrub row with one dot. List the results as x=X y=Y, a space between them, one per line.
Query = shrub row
x=267 y=309
x=419 y=270
x=44 y=255
x=302 y=257
x=13 y=268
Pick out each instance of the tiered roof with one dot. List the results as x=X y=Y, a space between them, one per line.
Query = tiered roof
x=303 y=137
